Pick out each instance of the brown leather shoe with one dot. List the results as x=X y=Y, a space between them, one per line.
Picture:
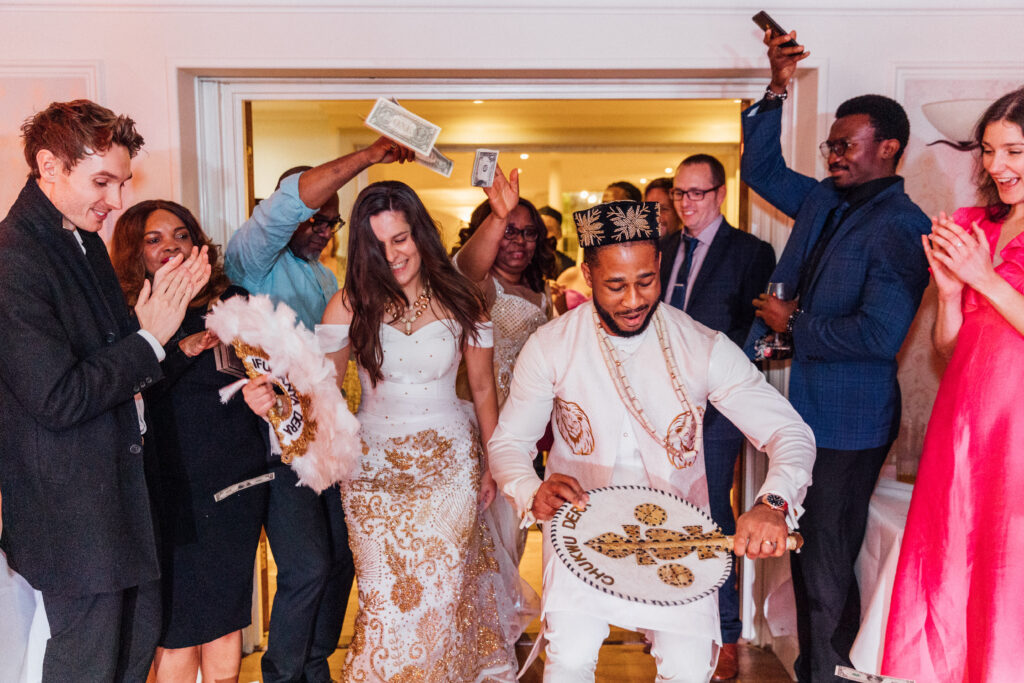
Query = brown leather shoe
x=728 y=664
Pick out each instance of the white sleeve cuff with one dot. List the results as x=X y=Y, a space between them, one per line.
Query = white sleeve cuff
x=154 y=344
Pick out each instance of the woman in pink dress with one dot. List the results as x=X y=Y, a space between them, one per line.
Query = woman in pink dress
x=955 y=612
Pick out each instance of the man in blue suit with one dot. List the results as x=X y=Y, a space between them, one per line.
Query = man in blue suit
x=854 y=260
x=713 y=271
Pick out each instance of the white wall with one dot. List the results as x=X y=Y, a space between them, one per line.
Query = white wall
x=135 y=56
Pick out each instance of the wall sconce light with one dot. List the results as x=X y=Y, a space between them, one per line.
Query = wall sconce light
x=955 y=120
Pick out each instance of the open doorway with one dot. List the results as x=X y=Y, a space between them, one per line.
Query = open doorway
x=567 y=151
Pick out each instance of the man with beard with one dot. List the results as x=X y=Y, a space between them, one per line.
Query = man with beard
x=617 y=372
x=855 y=263
x=276 y=253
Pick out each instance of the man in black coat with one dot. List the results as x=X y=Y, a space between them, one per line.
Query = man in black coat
x=713 y=271
x=77 y=519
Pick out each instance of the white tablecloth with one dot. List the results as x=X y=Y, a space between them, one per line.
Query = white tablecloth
x=876 y=569
x=23 y=628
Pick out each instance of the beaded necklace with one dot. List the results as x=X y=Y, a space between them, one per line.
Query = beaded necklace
x=632 y=402
x=417 y=308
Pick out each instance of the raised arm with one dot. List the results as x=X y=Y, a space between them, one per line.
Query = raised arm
x=477 y=255
x=762 y=165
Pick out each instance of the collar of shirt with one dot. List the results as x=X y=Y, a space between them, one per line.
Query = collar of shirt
x=860 y=194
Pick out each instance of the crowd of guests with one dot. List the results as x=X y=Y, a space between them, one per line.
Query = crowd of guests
x=134 y=499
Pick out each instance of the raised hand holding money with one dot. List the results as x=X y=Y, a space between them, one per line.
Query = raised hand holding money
x=484 y=163
x=398 y=123
x=503 y=193
x=386 y=151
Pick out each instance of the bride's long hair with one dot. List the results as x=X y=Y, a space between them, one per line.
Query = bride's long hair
x=372 y=290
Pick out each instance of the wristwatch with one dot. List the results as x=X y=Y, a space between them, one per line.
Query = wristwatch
x=775 y=502
x=792 y=319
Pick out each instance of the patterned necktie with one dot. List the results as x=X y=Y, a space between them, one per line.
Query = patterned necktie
x=679 y=291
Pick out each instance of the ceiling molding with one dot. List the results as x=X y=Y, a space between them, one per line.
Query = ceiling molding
x=589 y=7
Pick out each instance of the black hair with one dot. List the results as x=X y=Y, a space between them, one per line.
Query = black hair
x=632 y=191
x=716 y=167
x=553 y=213
x=887 y=118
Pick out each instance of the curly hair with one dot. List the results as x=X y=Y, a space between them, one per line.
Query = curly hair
x=1009 y=108
x=127 y=244
x=73 y=130
x=542 y=265
x=371 y=288
x=888 y=118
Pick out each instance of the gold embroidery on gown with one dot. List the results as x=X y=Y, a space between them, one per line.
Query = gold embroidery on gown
x=515 y=319
x=432 y=606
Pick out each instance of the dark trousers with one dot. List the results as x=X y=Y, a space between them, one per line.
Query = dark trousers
x=309 y=540
x=833 y=523
x=103 y=637
x=720 y=463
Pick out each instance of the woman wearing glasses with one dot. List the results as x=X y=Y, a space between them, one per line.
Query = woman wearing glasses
x=208 y=544
x=506 y=253
x=954 y=613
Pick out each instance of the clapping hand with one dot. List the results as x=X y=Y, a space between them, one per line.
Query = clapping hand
x=194 y=344
x=162 y=304
x=957 y=257
x=503 y=194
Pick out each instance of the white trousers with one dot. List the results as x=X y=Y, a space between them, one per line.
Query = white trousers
x=574 y=640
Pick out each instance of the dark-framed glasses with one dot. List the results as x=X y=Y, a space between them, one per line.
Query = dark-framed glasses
x=529 y=234
x=839 y=147
x=325 y=225
x=694 y=194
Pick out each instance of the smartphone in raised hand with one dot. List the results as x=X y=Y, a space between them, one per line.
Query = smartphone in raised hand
x=764 y=20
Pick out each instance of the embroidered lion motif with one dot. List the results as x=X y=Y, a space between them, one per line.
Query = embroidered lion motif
x=681 y=440
x=574 y=426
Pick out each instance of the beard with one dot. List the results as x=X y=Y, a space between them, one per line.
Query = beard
x=609 y=320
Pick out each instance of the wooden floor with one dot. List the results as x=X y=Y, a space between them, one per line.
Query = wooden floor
x=622 y=657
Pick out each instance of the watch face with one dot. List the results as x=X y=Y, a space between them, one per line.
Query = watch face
x=776 y=501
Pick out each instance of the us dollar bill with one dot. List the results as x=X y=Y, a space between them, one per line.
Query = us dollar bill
x=394 y=121
x=854 y=675
x=483 y=167
x=437 y=162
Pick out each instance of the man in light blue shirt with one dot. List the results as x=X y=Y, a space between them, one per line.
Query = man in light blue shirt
x=276 y=252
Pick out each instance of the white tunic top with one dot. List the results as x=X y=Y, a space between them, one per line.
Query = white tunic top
x=603 y=444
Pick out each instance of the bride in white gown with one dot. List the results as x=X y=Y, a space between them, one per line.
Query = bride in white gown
x=432 y=606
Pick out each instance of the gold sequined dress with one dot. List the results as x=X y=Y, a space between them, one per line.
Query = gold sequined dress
x=432 y=606
x=515 y=319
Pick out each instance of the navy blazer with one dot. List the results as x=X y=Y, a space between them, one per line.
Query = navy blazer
x=76 y=504
x=861 y=298
x=735 y=270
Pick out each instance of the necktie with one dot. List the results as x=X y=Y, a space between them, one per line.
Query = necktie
x=679 y=291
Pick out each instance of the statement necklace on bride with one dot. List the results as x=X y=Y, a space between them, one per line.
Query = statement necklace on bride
x=413 y=313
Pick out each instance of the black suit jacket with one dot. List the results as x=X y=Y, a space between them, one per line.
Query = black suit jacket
x=735 y=270
x=76 y=507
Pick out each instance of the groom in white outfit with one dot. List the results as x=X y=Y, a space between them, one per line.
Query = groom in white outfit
x=627 y=381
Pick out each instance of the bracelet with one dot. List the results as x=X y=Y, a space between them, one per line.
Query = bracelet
x=770 y=94
x=792 y=319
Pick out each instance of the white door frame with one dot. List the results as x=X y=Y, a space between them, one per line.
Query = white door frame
x=220 y=149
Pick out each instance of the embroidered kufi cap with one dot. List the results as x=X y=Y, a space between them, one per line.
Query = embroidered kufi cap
x=617 y=223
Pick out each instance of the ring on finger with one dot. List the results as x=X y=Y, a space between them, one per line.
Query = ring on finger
x=959 y=244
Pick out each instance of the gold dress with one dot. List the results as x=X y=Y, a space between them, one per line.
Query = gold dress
x=432 y=606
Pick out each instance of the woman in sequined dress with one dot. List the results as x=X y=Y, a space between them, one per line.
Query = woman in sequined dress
x=505 y=252
x=432 y=606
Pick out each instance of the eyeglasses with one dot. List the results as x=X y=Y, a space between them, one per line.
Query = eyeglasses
x=839 y=147
x=695 y=195
x=324 y=225
x=528 y=234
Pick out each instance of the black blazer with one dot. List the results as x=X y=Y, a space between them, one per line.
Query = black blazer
x=735 y=270
x=76 y=506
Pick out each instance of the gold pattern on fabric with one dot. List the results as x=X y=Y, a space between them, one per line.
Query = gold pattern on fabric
x=515 y=319
x=574 y=426
x=428 y=604
x=681 y=438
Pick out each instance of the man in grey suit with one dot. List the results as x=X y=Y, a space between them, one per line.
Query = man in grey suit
x=77 y=518
x=713 y=271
